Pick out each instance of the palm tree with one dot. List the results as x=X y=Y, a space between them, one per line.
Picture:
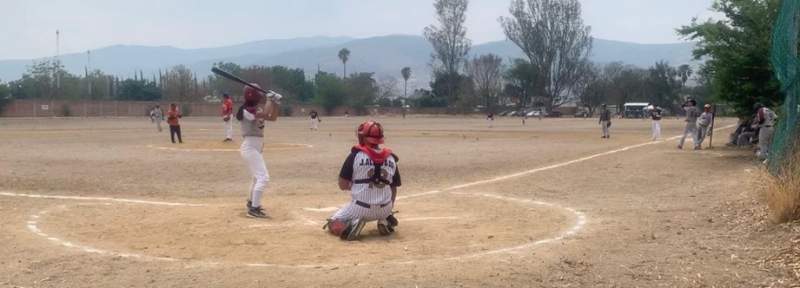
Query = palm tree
x=406 y=75
x=344 y=55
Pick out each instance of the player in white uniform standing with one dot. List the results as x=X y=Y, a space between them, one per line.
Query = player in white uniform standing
x=227 y=117
x=252 y=114
x=691 y=122
x=765 y=119
x=315 y=120
x=157 y=116
x=371 y=175
x=655 y=116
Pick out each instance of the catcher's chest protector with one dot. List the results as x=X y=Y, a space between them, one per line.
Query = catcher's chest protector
x=377 y=176
x=378 y=158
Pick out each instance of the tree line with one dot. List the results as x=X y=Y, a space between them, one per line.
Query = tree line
x=47 y=80
x=555 y=71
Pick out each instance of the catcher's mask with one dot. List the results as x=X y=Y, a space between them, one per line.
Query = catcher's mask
x=370 y=133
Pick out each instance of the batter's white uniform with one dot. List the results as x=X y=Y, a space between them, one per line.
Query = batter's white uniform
x=252 y=152
x=370 y=201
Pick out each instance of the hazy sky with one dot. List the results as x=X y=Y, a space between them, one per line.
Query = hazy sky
x=27 y=27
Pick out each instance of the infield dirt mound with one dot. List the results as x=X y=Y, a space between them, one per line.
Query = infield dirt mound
x=441 y=227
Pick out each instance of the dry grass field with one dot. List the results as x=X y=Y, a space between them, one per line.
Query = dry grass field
x=111 y=203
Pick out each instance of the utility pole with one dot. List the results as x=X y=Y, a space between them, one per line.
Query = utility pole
x=56 y=73
x=88 y=82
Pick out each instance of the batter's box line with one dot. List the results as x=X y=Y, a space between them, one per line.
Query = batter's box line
x=100 y=199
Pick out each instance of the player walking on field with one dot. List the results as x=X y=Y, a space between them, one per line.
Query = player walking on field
x=691 y=122
x=255 y=110
x=704 y=126
x=157 y=116
x=371 y=175
x=605 y=121
x=173 y=116
x=227 y=116
x=655 y=116
x=315 y=120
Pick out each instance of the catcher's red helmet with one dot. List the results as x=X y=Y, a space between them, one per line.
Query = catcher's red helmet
x=370 y=132
x=252 y=95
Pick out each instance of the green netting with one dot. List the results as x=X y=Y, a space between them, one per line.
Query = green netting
x=786 y=64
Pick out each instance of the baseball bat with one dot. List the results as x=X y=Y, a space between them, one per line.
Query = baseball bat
x=235 y=78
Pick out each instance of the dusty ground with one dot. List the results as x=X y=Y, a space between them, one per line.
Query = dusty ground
x=648 y=216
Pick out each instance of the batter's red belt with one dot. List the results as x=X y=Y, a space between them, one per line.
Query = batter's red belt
x=365 y=205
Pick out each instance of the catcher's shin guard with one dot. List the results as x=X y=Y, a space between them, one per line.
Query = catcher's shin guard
x=353 y=229
x=385 y=229
x=392 y=221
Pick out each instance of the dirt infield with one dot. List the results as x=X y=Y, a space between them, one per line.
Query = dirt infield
x=111 y=203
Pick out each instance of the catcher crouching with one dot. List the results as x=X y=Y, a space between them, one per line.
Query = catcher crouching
x=371 y=175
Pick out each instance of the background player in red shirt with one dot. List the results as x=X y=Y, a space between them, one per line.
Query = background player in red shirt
x=174 y=126
x=227 y=116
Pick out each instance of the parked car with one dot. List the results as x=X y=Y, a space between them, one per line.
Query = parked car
x=538 y=112
x=554 y=114
x=582 y=114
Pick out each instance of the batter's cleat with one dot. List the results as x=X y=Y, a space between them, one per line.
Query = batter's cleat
x=249 y=204
x=353 y=230
x=385 y=229
x=257 y=212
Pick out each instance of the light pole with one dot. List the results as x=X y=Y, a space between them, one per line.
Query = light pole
x=88 y=81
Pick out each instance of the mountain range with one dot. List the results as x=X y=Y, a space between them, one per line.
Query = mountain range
x=383 y=55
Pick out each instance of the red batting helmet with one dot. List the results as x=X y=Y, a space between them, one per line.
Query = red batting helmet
x=252 y=95
x=370 y=132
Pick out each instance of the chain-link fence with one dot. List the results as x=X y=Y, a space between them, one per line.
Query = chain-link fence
x=786 y=64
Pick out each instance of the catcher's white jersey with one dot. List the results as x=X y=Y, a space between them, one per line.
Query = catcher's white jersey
x=359 y=169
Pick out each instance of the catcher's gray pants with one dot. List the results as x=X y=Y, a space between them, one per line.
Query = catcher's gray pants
x=765 y=141
x=352 y=211
x=691 y=129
